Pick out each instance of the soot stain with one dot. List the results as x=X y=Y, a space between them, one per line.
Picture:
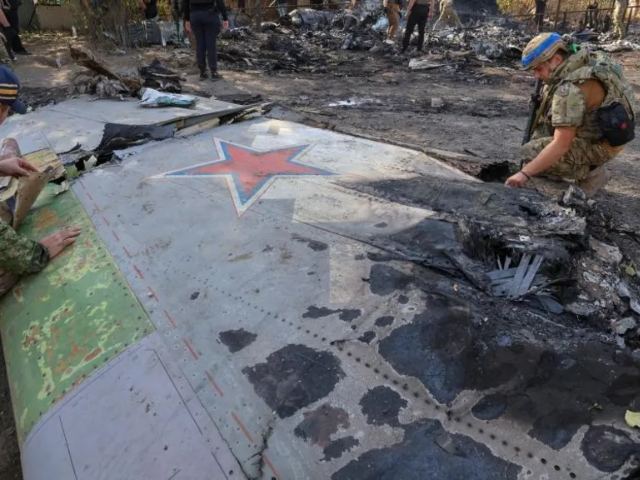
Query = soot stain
x=367 y=337
x=318 y=312
x=381 y=225
x=440 y=348
x=556 y=428
x=624 y=389
x=194 y=295
x=381 y=405
x=360 y=256
x=319 y=424
x=384 y=280
x=312 y=244
x=336 y=448
x=403 y=299
x=490 y=407
x=346 y=315
x=349 y=315
x=607 y=448
x=384 y=321
x=419 y=453
x=293 y=377
x=236 y=340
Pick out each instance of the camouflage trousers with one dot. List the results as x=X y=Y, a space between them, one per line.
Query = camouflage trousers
x=618 y=19
x=576 y=163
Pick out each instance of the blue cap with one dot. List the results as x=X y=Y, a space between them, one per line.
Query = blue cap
x=10 y=89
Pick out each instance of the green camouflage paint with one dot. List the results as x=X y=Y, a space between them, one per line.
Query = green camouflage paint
x=60 y=325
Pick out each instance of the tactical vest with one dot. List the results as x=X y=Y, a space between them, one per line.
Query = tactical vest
x=578 y=67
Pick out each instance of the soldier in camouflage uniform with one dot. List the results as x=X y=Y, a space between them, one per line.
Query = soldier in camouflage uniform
x=567 y=140
x=18 y=254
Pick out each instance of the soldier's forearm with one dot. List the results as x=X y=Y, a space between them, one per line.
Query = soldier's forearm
x=20 y=255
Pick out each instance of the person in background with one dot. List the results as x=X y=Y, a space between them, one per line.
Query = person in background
x=18 y=254
x=11 y=13
x=448 y=15
x=417 y=14
x=202 y=18
x=619 y=11
x=541 y=6
x=392 y=10
x=6 y=33
x=150 y=9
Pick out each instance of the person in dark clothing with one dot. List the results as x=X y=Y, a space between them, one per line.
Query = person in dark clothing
x=418 y=14
x=150 y=8
x=541 y=5
x=592 y=16
x=12 y=32
x=202 y=17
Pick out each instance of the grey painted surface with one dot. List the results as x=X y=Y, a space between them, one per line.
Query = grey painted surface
x=81 y=121
x=202 y=267
x=130 y=112
x=137 y=418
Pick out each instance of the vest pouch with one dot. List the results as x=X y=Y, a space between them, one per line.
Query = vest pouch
x=616 y=125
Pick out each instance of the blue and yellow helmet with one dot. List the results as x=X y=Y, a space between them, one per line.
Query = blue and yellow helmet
x=541 y=49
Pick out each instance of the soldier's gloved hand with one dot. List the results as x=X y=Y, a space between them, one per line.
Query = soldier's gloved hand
x=16 y=167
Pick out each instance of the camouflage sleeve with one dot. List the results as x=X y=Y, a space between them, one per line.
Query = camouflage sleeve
x=568 y=106
x=18 y=254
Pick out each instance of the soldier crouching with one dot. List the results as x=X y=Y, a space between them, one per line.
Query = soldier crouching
x=585 y=117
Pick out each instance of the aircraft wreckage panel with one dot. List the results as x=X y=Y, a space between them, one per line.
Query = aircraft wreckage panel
x=131 y=113
x=81 y=121
x=135 y=418
x=269 y=265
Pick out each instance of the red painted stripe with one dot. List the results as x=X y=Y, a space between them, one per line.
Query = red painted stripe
x=96 y=207
x=170 y=319
x=89 y=196
x=191 y=350
x=106 y=222
x=138 y=272
x=82 y=185
x=273 y=469
x=242 y=427
x=213 y=382
x=153 y=294
x=115 y=235
x=126 y=251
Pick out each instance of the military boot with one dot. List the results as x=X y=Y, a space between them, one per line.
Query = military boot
x=594 y=181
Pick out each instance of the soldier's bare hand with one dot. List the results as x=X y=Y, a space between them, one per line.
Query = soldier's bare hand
x=16 y=167
x=60 y=240
x=518 y=180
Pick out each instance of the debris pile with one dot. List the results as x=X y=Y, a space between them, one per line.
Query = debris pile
x=99 y=79
x=304 y=39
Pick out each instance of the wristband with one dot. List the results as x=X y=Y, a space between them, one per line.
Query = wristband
x=528 y=177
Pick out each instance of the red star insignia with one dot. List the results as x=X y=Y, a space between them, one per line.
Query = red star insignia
x=250 y=173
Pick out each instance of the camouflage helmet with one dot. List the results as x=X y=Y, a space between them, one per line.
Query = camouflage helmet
x=541 y=49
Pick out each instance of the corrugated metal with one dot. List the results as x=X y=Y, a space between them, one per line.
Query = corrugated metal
x=28 y=19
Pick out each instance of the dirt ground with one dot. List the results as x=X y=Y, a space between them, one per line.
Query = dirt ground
x=483 y=114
